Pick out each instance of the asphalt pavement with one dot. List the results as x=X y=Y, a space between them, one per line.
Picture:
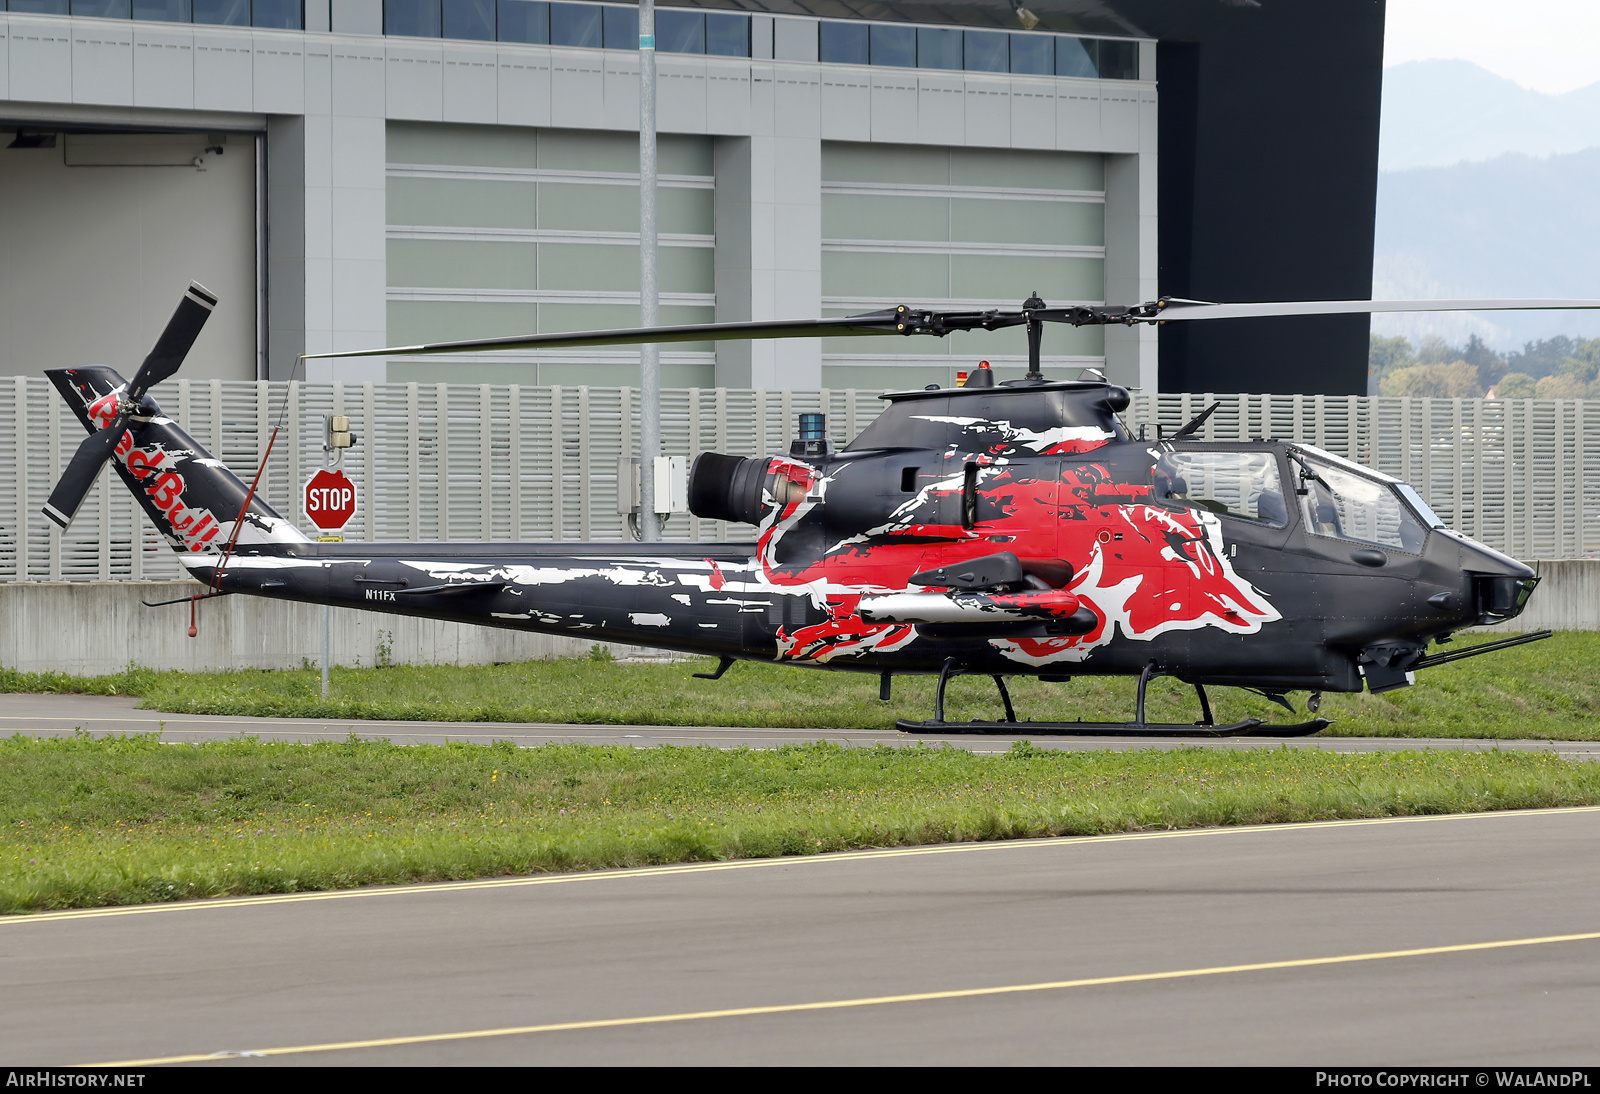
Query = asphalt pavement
x=57 y=715
x=1463 y=941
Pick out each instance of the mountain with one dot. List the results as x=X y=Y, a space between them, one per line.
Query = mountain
x=1437 y=113
x=1516 y=225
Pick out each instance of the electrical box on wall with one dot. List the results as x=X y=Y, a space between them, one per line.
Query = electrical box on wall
x=671 y=483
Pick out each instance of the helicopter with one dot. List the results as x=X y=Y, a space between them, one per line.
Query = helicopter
x=999 y=529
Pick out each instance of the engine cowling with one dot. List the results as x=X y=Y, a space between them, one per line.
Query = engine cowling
x=730 y=488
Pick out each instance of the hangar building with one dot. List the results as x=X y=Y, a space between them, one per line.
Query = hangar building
x=351 y=173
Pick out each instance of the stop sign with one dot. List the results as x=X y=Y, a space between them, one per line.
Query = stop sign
x=330 y=500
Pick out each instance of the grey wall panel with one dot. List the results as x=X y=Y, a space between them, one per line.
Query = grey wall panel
x=941 y=115
x=356 y=16
x=846 y=104
x=280 y=73
x=163 y=66
x=317 y=15
x=1033 y=114
x=761 y=37
x=1078 y=115
x=621 y=105
x=5 y=60
x=223 y=77
x=735 y=221
x=796 y=103
x=728 y=98
x=577 y=89
x=794 y=39
x=286 y=244
x=41 y=60
x=524 y=89
x=1148 y=121
x=359 y=161
x=988 y=107
x=319 y=75
x=894 y=105
x=102 y=63
x=471 y=84
x=1119 y=118
x=357 y=86
x=414 y=82
x=681 y=98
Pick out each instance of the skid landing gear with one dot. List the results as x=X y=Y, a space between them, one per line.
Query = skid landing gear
x=1139 y=727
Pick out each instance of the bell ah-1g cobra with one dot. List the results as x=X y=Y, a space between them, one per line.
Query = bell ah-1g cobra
x=995 y=529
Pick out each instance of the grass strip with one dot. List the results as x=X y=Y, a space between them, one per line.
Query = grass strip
x=1546 y=690
x=104 y=821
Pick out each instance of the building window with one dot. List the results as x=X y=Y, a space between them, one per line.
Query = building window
x=524 y=21
x=276 y=14
x=987 y=51
x=622 y=28
x=840 y=43
x=680 y=31
x=892 y=44
x=472 y=19
x=162 y=11
x=101 y=9
x=727 y=35
x=1119 y=60
x=575 y=25
x=1077 y=57
x=938 y=47
x=407 y=18
x=1033 y=55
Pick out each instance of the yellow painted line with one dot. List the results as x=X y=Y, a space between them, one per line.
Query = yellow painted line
x=757 y=864
x=871 y=1001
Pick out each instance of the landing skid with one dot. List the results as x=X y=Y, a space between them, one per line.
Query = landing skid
x=1250 y=727
x=1206 y=727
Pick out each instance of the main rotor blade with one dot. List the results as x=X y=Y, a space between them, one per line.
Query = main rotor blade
x=880 y=322
x=1173 y=309
x=83 y=469
x=175 y=342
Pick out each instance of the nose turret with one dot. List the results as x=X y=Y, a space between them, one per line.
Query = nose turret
x=1500 y=585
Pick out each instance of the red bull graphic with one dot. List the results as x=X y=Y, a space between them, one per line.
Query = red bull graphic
x=1142 y=570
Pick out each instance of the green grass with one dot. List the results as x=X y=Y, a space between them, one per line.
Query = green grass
x=87 y=822
x=1545 y=690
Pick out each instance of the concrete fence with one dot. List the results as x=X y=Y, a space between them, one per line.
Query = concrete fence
x=98 y=628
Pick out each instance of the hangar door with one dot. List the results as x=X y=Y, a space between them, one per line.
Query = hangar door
x=497 y=231
x=958 y=228
x=102 y=233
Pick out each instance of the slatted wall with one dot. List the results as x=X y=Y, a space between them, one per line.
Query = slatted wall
x=497 y=462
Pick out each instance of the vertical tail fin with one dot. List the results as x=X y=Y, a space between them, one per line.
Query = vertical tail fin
x=190 y=496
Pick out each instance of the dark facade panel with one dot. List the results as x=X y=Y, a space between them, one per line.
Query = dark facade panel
x=1268 y=184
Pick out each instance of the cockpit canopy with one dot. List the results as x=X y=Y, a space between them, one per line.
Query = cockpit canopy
x=1336 y=499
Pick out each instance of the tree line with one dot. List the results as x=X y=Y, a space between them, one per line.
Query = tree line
x=1550 y=368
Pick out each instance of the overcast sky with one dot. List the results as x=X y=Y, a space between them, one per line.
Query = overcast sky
x=1547 y=45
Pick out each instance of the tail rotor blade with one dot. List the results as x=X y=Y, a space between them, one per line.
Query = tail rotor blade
x=175 y=342
x=81 y=472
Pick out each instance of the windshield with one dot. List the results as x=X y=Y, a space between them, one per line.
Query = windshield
x=1351 y=507
x=1422 y=508
x=1234 y=484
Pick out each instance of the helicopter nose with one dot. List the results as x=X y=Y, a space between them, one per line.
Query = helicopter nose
x=1500 y=584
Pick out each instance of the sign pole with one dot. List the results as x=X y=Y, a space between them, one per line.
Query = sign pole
x=649 y=294
x=329 y=501
x=327 y=627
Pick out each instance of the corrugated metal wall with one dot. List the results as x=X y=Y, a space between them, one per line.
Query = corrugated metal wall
x=497 y=462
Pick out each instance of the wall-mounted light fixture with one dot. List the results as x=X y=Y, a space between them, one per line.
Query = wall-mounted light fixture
x=24 y=139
